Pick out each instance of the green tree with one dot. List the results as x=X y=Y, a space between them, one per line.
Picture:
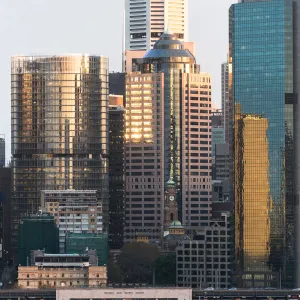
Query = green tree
x=136 y=262
x=165 y=270
x=113 y=272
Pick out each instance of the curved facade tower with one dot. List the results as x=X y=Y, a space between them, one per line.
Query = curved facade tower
x=59 y=128
x=167 y=137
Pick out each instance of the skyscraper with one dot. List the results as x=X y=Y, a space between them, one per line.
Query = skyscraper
x=116 y=172
x=59 y=128
x=264 y=92
x=226 y=103
x=168 y=136
x=5 y=208
x=217 y=130
x=145 y=21
x=224 y=85
x=2 y=151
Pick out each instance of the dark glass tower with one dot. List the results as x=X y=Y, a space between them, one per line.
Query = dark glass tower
x=262 y=45
x=116 y=176
x=59 y=129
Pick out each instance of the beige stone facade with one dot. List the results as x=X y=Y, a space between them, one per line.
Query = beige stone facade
x=33 y=277
x=117 y=293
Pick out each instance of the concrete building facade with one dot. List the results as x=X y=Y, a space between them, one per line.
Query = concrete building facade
x=61 y=270
x=222 y=162
x=206 y=261
x=73 y=211
x=168 y=136
x=118 y=293
x=2 y=151
x=145 y=21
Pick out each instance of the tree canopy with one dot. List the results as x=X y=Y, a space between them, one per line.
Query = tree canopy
x=136 y=262
x=165 y=270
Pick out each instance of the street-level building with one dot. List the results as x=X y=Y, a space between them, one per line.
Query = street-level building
x=62 y=270
x=125 y=294
x=206 y=260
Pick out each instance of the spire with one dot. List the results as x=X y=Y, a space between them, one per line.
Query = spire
x=170 y=182
x=168 y=31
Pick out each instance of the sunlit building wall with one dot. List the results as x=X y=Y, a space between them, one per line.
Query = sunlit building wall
x=144 y=159
x=59 y=128
x=253 y=201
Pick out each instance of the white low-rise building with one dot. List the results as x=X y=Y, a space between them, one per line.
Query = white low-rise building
x=130 y=294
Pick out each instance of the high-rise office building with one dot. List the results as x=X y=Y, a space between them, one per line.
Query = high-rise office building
x=226 y=81
x=116 y=172
x=265 y=90
x=2 y=151
x=132 y=59
x=168 y=136
x=224 y=86
x=222 y=162
x=145 y=21
x=5 y=208
x=59 y=128
x=117 y=85
x=217 y=130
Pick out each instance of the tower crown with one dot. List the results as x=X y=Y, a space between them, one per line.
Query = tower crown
x=168 y=46
x=170 y=183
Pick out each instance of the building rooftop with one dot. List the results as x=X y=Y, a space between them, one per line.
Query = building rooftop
x=63 y=255
x=168 y=46
x=69 y=191
x=170 y=182
x=175 y=224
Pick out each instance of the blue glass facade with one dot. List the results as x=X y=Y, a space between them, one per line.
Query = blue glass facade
x=261 y=46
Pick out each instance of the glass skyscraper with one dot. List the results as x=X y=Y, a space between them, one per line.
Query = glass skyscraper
x=261 y=49
x=59 y=112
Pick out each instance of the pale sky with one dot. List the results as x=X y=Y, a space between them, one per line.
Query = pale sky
x=34 y=27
